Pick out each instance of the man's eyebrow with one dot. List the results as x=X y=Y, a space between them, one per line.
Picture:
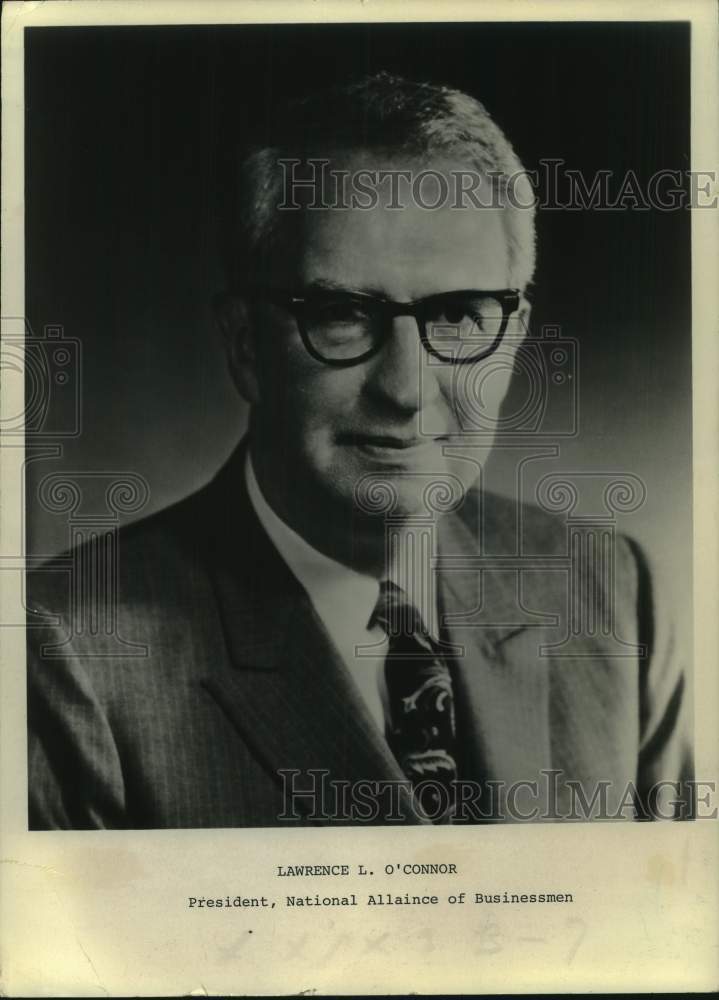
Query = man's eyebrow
x=327 y=285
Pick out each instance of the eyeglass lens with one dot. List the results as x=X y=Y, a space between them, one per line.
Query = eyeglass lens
x=455 y=327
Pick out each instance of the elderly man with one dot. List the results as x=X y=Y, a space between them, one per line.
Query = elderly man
x=331 y=633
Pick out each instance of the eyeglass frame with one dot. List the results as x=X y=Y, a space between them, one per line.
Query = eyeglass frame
x=508 y=298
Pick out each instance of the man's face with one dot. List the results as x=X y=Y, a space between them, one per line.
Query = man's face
x=402 y=415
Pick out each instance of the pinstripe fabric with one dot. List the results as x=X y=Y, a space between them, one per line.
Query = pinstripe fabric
x=240 y=681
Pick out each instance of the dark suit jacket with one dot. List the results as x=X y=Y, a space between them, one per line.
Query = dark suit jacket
x=210 y=673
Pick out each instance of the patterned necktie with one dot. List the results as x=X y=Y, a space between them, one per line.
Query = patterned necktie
x=421 y=728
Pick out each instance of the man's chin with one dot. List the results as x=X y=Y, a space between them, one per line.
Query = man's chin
x=434 y=484
x=408 y=493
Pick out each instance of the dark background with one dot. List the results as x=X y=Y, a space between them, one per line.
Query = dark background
x=127 y=133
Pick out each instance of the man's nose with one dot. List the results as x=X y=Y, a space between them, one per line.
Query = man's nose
x=400 y=374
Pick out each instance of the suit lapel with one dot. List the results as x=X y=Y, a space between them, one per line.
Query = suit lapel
x=293 y=700
x=501 y=682
x=286 y=689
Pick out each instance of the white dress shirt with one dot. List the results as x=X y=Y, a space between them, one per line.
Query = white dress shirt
x=343 y=599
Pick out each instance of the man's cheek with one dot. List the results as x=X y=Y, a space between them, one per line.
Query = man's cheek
x=476 y=396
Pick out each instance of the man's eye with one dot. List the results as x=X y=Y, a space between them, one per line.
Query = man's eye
x=339 y=312
x=466 y=317
x=455 y=314
x=455 y=318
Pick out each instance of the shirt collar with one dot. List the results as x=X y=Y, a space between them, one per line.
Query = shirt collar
x=343 y=598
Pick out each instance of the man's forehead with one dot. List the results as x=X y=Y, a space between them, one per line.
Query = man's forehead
x=408 y=252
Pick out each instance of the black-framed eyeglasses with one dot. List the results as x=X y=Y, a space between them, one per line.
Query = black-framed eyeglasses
x=343 y=328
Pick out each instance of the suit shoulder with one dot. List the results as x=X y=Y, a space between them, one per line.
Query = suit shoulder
x=165 y=546
x=508 y=526
x=526 y=531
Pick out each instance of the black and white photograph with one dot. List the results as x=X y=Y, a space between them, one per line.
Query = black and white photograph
x=389 y=364
x=356 y=461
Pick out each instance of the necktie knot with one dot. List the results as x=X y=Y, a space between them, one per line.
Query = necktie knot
x=397 y=615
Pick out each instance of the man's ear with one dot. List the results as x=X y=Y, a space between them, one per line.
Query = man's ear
x=233 y=319
x=525 y=311
x=517 y=330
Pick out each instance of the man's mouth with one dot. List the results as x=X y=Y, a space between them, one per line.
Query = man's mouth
x=392 y=442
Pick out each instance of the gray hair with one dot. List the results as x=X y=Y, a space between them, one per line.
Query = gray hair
x=385 y=113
